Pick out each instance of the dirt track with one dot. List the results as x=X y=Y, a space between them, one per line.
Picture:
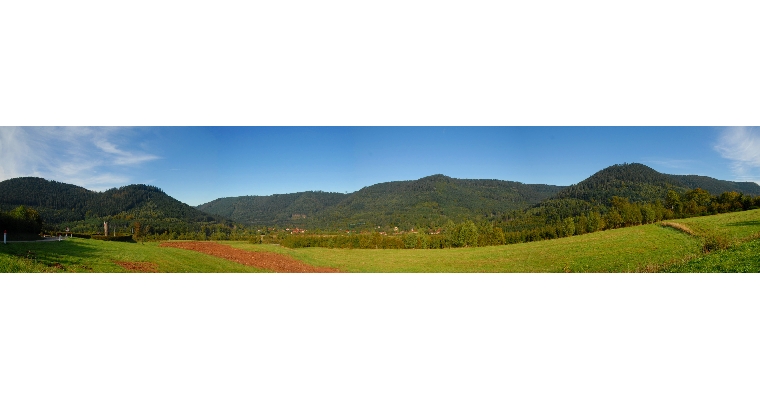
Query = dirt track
x=268 y=261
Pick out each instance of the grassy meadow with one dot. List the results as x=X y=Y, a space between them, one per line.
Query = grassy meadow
x=623 y=250
x=718 y=243
x=87 y=255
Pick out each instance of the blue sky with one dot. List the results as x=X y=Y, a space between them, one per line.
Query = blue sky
x=200 y=164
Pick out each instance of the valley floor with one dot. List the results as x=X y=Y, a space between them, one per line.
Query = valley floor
x=647 y=248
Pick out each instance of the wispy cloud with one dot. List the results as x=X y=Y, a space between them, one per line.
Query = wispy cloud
x=89 y=157
x=741 y=145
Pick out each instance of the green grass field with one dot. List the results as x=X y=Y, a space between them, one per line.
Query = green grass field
x=647 y=248
x=623 y=250
x=87 y=255
x=744 y=257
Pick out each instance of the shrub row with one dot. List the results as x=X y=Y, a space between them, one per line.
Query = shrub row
x=127 y=238
x=368 y=241
x=343 y=241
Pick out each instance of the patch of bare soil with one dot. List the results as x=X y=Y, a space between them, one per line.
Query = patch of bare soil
x=138 y=266
x=269 y=261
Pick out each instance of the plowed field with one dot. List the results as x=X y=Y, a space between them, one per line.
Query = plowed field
x=268 y=261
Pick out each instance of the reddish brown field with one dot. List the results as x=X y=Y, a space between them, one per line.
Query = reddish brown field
x=138 y=266
x=268 y=261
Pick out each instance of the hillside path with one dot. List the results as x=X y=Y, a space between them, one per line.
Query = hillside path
x=269 y=261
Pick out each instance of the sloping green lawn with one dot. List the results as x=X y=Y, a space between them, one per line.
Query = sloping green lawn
x=744 y=257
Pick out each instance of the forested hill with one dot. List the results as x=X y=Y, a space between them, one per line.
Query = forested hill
x=639 y=183
x=636 y=183
x=277 y=209
x=716 y=186
x=433 y=200
x=429 y=201
x=61 y=202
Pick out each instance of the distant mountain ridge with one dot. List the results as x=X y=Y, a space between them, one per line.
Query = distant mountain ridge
x=432 y=200
x=429 y=201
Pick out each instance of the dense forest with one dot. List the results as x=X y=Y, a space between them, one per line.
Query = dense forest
x=637 y=182
x=428 y=202
x=274 y=210
x=62 y=205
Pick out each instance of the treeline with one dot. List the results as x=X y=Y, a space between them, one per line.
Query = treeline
x=465 y=234
x=21 y=220
x=146 y=228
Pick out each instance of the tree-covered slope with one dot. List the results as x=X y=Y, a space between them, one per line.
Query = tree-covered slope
x=430 y=201
x=635 y=182
x=716 y=186
x=61 y=202
x=276 y=209
x=639 y=183
x=433 y=200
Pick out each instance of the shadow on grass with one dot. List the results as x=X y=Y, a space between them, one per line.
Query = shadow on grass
x=744 y=223
x=66 y=255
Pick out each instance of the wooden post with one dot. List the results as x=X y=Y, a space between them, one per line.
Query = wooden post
x=105 y=227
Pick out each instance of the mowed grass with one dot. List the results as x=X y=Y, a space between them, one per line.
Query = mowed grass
x=647 y=248
x=735 y=227
x=622 y=250
x=87 y=255
x=744 y=257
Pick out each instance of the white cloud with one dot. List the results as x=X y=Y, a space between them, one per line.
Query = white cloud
x=741 y=145
x=88 y=157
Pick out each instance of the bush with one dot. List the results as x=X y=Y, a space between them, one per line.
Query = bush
x=410 y=240
x=715 y=242
x=360 y=241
